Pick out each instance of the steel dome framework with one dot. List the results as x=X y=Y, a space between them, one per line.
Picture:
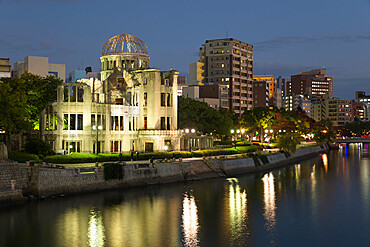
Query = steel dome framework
x=124 y=43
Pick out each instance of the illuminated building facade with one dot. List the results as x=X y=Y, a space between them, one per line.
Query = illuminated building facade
x=132 y=107
x=230 y=62
x=338 y=111
x=314 y=82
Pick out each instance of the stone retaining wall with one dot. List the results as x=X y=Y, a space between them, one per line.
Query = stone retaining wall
x=12 y=171
x=11 y=197
x=46 y=182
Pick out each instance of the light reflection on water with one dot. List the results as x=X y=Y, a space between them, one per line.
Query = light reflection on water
x=269 y=201
x=324 y=201
x=190 y=223
x=238 y=215
x=96 y=232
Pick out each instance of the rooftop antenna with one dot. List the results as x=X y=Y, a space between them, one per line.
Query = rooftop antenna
x=227 y=32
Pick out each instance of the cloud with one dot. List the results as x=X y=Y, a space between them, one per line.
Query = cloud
x=288 y=41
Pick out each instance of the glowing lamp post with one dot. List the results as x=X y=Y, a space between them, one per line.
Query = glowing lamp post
x=232 y=137
x=97 y=128
x=189 y=132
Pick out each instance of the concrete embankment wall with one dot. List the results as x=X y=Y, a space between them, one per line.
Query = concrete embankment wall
x=46 y=182
x=239 y=166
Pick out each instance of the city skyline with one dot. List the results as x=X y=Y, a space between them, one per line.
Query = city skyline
x=288 y=37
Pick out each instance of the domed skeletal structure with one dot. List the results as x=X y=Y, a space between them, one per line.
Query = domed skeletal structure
x=124 y=43
x=123 y=52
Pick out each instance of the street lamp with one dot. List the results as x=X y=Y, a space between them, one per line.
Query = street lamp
x=232 y=136
x=97 y=128
x=165 y=148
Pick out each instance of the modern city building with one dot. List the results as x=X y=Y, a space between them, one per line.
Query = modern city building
x=181 y=82
x=39 y=66
x=133 y=107
x=299 y=100
x=216 y=96
x=271 y=83
x=230 y=62
x=5 y=68
x=314 y=82
x=359 y=111
x=260 y=93
x=338 y=111
x=360 y=96
x=318 y=112
x=76 y=75
x=196 y=73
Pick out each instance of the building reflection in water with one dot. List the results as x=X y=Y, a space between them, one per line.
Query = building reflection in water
x=269 y=200
x=190 y=223
x=96 y=232
x=237 y=210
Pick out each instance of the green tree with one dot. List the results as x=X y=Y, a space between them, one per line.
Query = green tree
x=260 y=118
x=198 y=115
x=288 y=142
x=24 y=98
x=13 y=99
x=324 y=132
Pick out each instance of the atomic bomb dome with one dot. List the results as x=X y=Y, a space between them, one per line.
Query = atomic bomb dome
x=123 y=52
x=123 y=44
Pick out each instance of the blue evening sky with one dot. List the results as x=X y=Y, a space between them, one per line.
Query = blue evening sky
x=289 y=36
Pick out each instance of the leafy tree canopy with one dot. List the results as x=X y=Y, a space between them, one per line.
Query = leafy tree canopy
x=23 y=99
x=198 y=115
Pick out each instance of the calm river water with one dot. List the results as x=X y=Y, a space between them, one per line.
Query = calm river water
x=323 y=201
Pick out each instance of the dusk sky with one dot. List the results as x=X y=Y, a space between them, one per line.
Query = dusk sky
x=289 y=36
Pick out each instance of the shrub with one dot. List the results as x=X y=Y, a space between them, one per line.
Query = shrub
x=113 y=171
x=39 y=147
x=22 y=157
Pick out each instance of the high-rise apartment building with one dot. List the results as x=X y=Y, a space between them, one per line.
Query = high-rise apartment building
x=230 y=62
x=314 y=82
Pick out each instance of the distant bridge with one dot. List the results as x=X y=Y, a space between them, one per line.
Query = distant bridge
x=353 y=140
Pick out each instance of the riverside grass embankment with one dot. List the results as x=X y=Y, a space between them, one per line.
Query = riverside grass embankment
x=18 y=182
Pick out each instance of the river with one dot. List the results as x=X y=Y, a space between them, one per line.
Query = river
x=323 y=201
